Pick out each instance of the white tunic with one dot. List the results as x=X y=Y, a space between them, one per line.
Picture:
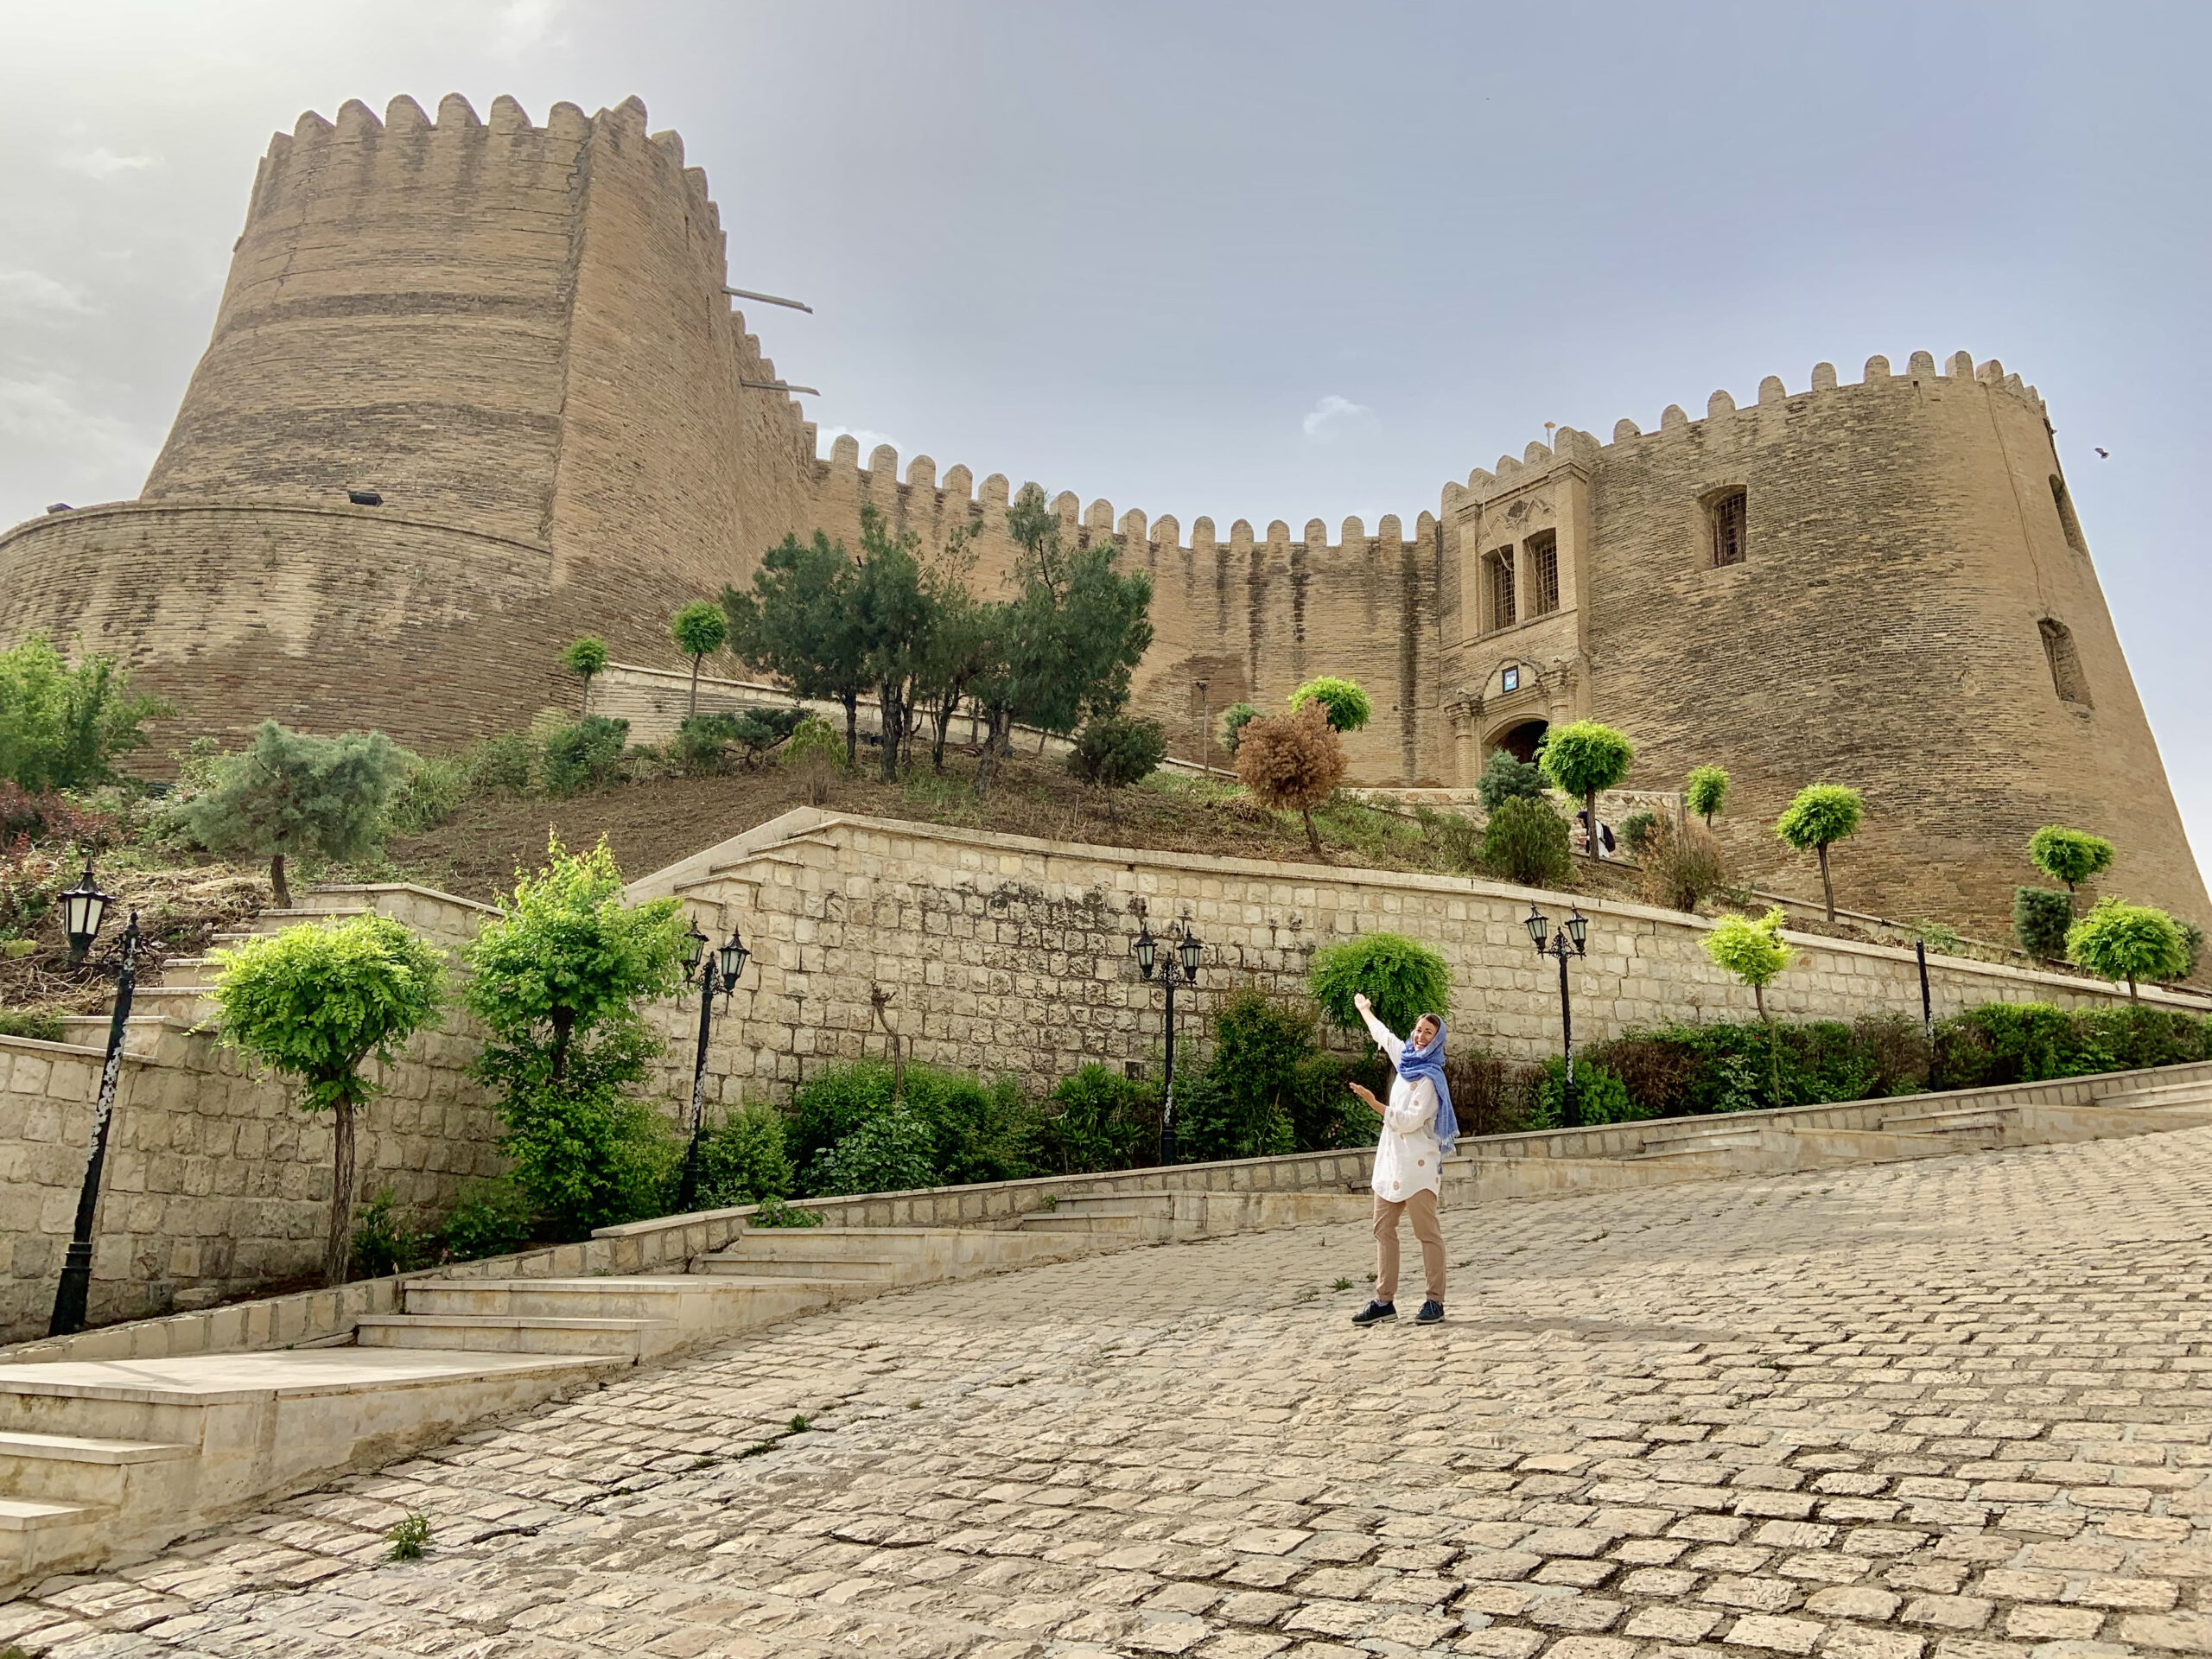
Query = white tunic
x=1408 y=1159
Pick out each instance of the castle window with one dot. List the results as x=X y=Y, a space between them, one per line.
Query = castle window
x=1543 y=573
x=2065 y=664
x=1729 y=512
x=1500 y=567
x=2068 y=523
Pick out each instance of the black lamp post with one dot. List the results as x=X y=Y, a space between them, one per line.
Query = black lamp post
x=716 y=972
x=84 y=907
x=1180 y=968
x=1566 y=943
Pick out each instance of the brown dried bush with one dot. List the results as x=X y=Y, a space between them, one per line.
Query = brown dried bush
x=1682 y=865
x=1292 y=761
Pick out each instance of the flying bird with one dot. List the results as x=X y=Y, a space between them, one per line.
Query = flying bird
x=2103 y=455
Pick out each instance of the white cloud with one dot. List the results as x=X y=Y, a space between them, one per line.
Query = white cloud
x=1334 y=416
x=80 y=443
x=104 y=163
x=25 y=295
x=867 y=440
x=523 y=24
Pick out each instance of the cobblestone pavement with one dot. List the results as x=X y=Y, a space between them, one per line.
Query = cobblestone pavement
x=1955 y=1410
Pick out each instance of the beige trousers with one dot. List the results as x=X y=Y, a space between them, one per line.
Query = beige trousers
x=1422 y=1209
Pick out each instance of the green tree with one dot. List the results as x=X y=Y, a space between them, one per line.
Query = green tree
x=796 y=621
x=2072 y=856
x=1115 y=751
x=1234 y=720
x=1347 y=707
x=585 y=658
x=815 y=753
x=1754 y=952
x=700 y=629
x=2041 y=917
x=1822 y=815
x=1525 y=841
x=289 y=795
x=1402 y=977
x=1706 y=791
x=2117 y=941
x=316 y=1003
x=1506 y=778
x=1583 y=759
x=892 y=611
x=62 y=728
x=559 y=981
x=966 y=645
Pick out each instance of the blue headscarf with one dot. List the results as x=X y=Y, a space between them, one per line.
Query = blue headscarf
x=1415 y=1064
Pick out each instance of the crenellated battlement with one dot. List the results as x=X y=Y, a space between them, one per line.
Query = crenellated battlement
x=1569 y=445
x=930 y=505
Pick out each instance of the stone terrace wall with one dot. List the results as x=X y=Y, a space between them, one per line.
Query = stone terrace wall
x=1009 y=954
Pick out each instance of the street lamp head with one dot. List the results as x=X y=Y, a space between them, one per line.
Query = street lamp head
x=694 y=948
x=1539 y=925
x=732 y=958
x=1147 y=949
x=1188 y=950
x=1578 y=928
x=84 y=907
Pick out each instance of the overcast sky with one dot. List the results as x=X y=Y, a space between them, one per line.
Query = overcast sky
x=1260 y=261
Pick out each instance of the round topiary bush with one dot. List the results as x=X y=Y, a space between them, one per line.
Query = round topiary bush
x=1402 y=977
x=1347 y=707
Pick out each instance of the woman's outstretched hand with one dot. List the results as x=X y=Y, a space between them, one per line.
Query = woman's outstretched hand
x=1359 y=1000
x=1367 y=1095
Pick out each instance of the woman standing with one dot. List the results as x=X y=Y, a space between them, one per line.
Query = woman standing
x=1419 y=1127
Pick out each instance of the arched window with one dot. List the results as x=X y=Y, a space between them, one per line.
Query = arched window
x=2066 y=675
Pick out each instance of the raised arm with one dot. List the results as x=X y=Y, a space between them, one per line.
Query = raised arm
x=1391 y=1043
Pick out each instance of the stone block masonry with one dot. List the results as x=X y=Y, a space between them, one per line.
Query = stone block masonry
x=1012 y=954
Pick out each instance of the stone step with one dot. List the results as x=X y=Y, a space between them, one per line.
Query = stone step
x=700 y=1307
x=20 y=1514
x=77 y=1469
x=878 y=1269
x=1131 y=1203
x=519 y=1334
x=1103 y=1226
x=2155 y=1094
x=1973 y=1120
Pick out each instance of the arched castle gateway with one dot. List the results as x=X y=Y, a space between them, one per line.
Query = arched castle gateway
x=517 y=336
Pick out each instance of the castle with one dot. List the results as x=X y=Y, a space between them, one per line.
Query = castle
x=477 y=386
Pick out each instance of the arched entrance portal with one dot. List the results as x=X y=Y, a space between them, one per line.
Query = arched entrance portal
x=1521 y=742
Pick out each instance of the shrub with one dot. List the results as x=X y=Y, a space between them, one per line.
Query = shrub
x=559 y=982
x=1682 y=866
x=584 y=658
x=1706 y=792
x=586 y=755
x=2117 y=941
x=1599 y=1096
x=1345 y=706
x=1234 y=720
x=1269 y=1086
x=2041 y=917
x=892 y=1152
x=1822 y=815
x=1526 y=841
x=777 y=1213
x=703 y=743
x=1489 y=1095
x=976 y=1131
x=430 y=791
x=1583 y=757
x=316 y=1002
x=816 y=753
x=742 y=1159
x=1292 y=762
x=1637 y=831
x=2070 y=856
x=41 y=1026
x=1505 y=778
x=1457 y=837
x=509 y=761
x=1940 y=939
x=2192 y=949
x=1095 y=1120
x=1403 y=978
x=491 y=1219
x=1114 y=751
x=62 y=728
x=384 y=1244
x=291 y=795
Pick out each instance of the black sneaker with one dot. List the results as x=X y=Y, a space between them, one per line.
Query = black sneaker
x=1374 y=1313
x=1432 y=1312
